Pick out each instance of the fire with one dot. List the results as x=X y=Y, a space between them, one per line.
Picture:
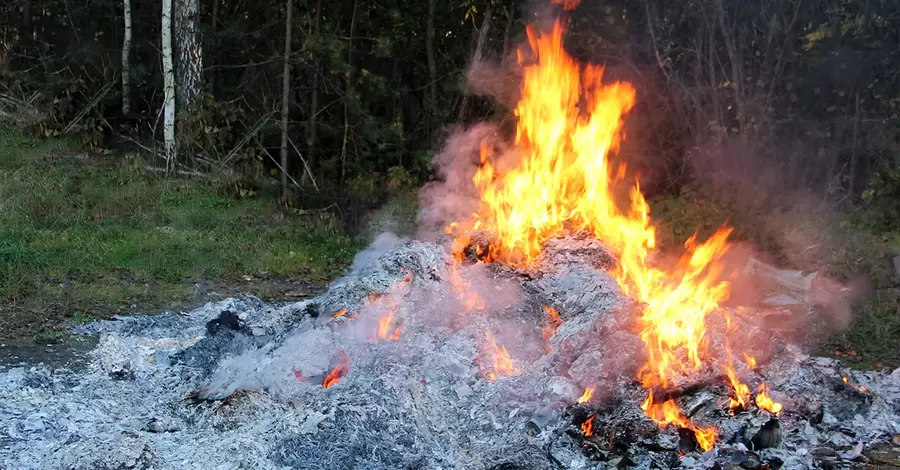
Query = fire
x=463 y=289
x=587 y=427
x=569 y=124
x=741 y=390
x=339 y=371
x=340 y=313
x=667 y=413
x=553 y=323
x=389 y=327
x=586 y=396
x=503 y=364
x=765 y=402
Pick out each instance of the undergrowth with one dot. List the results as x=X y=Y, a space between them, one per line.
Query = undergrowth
x=83 y=235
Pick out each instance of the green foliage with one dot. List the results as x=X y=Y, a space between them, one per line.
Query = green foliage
x=882 y=198
x=702 y=209
x=138 y=240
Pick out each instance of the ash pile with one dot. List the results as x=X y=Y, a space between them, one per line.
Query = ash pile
x=415 y=361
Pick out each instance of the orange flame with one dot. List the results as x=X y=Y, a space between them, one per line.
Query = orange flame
x=339 y=371
x=765 y=402
x=463 y=289
x=586 y=396
x=587 y=427
x=503 y=364
x=339 y=313
x=568 y=5
x=741 y=391
x=750 y=360
x=569 y=123
x=667 y=412
x=388 y=325
x=553 y=323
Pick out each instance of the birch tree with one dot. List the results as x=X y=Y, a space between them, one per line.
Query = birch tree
x=188 y=51
x=126 y=58
x=168 y=86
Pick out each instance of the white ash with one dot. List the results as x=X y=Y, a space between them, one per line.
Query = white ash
x=237 y=384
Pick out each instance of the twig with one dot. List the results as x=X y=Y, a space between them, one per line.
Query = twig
x=91 y=105
x=305 y=165
x=277 y=164
x=262 y=121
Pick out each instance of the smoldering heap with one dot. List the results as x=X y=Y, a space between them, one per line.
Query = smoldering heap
x=241 y=384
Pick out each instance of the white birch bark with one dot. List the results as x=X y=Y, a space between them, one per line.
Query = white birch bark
x=126 y=59
x=188 y=50
x=168 y=86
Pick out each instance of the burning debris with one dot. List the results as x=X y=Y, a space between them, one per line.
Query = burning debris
x=550 y=335
x=280 y=390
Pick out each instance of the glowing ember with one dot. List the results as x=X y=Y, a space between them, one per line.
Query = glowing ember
x=586 y=396
x=299 y=376
x=340 y=313
x=587 y=427
x=553 y=323
x=667 y=412
x=388 y=329
x=503 y=364
x=765 y=402
x=339 y=371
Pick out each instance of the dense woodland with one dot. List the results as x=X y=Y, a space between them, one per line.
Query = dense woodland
x=798 y=94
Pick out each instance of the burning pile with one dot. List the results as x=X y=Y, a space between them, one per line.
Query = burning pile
x=566 y=344
x=569 y=126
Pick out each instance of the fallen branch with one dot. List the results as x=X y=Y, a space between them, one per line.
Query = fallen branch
x=277 y=164
x=305 y=165
x=90 y=106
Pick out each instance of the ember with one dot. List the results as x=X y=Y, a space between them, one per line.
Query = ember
x=339 y=371
x=552 y=324
x=588 y=427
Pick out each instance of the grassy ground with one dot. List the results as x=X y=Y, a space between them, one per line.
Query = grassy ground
x=85 y=236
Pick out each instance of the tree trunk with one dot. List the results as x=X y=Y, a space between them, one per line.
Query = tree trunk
x=350 y=93
x=479 y=53
x=510 y=14
x=314 y=96
x=285 y=94
x=854 y=155
x=214 y=29
x=432 y=66
x=27 y=29
x=126 y=59
x=737 y=78
x=168 y=87
x=188 y=50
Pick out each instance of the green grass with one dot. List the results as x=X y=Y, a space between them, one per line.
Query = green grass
x=123 y=237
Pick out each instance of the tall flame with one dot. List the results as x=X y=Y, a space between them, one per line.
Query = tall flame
x=569 y=122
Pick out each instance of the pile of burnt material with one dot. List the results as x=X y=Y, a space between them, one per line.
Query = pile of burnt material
x=417 y=360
